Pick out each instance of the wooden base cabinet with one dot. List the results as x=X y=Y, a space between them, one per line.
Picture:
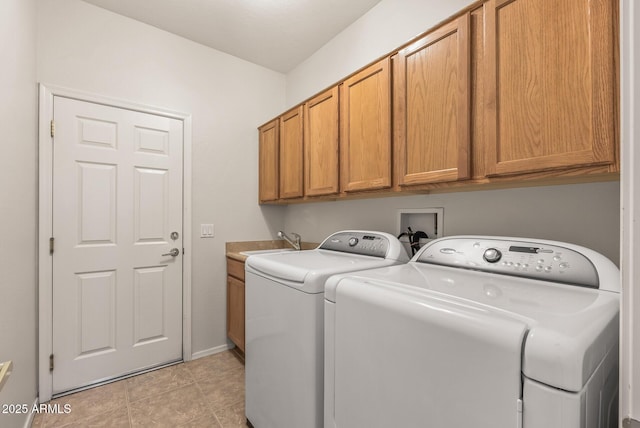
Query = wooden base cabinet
x=235 y=302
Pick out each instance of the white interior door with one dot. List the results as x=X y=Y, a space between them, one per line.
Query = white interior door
x=117 y=199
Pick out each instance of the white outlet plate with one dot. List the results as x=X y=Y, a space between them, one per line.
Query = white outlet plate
x=207 y=231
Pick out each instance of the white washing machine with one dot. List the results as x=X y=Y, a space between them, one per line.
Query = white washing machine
x=483 y=332
x=284 y=295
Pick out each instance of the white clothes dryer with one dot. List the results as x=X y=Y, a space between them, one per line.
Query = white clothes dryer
x=284 y=295
x=483 y=332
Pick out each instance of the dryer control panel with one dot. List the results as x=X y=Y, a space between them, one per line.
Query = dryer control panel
x=530 y=259
x=365 y=243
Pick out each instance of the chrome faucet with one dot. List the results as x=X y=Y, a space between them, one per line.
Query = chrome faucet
x=295 y=244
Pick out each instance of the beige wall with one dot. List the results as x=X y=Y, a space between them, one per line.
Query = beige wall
x=586 y=214
x=18 y=163
x=83 y=47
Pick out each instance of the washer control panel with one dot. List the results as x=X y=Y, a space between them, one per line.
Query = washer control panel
x=358 y=242
x=534 y=260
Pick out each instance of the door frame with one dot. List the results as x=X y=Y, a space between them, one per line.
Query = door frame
x=630 y=215
x=45 y=226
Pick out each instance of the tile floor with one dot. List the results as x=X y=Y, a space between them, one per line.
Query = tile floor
x=207 y=392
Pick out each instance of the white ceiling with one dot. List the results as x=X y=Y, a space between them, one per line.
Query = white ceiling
x=277 y=34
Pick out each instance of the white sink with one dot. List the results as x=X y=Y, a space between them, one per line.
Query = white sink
x=273 y=250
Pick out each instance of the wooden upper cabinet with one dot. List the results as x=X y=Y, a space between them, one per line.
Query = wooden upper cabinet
x=432 y=106
x=550 y=89
x=365 y=129
x=291 y=163
x=268 y=159
x=321 y=147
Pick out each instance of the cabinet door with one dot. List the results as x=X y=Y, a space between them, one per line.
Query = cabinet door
x=432 y=106
x=291 y=144
x=235 y=311
x=550 y=90
x=268 y=161
x=365 y=129
x=321 y=144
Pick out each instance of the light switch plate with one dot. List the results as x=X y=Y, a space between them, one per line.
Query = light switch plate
x=206 y=231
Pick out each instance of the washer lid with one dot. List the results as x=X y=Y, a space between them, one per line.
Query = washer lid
x=570 y=329
x=454 y=365
x=308 y=270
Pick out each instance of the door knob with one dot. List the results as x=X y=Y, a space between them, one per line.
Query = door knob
x=174 y=252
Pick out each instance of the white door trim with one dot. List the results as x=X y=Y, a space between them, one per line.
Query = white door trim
x=45 y=215
x=630 y=215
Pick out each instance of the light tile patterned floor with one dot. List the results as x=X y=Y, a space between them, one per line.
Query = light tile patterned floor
x=207 y=392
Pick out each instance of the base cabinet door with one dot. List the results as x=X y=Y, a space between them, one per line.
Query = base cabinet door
x=235 y=302
x=550 y=89
x=235 y=311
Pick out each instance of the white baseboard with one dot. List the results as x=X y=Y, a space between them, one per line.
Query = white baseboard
x=210 y=351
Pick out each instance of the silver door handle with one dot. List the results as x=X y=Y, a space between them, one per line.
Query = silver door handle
x=174 y=252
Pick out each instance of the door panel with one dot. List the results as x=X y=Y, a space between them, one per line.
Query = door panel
x=97 y=203
x=432 y=106
x=365 y=129
x=151 y=188
x=269 y=161
x=321 y=146
x=550 y=89
x=291 y=154
x=117 y=196
x=97 y=293
x=149 y=286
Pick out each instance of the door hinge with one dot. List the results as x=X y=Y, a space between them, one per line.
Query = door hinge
x=51 y=362
x=53 y=129
x=51 y=241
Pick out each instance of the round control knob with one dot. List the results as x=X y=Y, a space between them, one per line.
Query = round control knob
x=492 y=255
x=353 y=241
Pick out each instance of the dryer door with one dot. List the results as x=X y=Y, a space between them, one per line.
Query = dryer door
x=411 y=358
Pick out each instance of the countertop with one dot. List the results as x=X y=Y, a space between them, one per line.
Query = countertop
x=233 y=249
